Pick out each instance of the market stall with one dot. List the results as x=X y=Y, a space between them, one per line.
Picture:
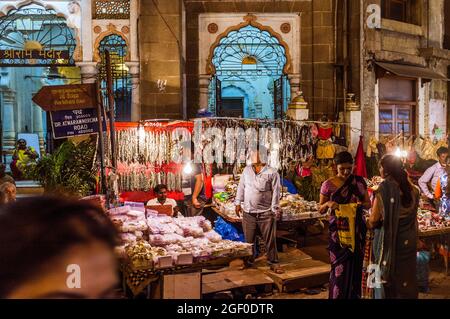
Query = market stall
x=296 y=212
x=154 y=245
x=145 y=158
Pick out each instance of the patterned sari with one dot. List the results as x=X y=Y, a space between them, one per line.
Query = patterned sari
x=346 y=266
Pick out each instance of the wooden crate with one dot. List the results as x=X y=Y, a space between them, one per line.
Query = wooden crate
x=252 y=279
x=301 y=271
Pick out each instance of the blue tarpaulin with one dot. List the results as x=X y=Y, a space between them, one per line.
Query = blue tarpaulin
x=291 y=187
x=227 y=230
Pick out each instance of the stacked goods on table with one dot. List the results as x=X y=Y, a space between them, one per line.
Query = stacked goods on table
x=429 y=220
x=160 y=241
x=295 y=207
x=224 y=200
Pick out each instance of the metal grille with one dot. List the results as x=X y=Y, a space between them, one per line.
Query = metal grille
x=34 y=36
x=249 y=51
x=278 y=98
x=111 y=9
x=117 y=48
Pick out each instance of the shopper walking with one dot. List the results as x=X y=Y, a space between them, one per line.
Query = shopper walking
x=394 y=220
x=345 y=196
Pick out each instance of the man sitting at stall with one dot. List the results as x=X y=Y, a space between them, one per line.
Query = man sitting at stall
x=161 y=199
x=22 y=157
x=434 y=173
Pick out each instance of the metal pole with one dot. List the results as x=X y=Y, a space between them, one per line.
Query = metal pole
x=101 y=141
x=1 y=130
x=109 y=88
x=403 y=134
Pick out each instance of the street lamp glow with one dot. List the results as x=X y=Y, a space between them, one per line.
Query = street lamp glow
x=187 y=168
x=141 y=133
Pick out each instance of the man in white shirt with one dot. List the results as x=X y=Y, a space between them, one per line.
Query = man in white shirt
x=258 y=198
x=433 y=173
x=161 y=199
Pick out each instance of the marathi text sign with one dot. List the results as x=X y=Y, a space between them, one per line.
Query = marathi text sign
x=12 y=54
x=74 y=123
x=66 y=97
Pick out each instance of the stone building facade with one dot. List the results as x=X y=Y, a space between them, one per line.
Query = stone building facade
x=400 y=75
x=80 y=29
x=182 y=36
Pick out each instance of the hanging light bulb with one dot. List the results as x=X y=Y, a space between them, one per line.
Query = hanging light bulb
x=398 y=152
x=187 y=168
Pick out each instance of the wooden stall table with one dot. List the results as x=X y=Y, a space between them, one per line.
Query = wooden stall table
x=140 y=280
x=442 y=235
x=285 y=227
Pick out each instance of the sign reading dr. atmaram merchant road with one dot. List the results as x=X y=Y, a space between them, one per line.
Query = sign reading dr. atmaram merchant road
x=74 y=123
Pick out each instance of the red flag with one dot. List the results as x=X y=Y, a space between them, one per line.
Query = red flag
x=360 y=160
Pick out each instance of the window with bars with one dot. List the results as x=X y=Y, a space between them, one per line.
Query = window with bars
x=397 y=106
x=111 y=9
x=394 y=119
x=407 y=11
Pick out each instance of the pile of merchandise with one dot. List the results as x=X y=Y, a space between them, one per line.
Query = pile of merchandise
x=429 y=220
x=374 y=182
x=295 y=207
x=160 y=241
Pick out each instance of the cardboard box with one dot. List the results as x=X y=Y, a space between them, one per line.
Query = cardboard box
x=164 y=262
x=185 y=259
x=182 y=286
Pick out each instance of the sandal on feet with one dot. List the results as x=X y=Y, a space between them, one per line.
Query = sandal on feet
x=277 y=269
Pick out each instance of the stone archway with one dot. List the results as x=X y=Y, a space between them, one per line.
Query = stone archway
x=249 y=20
x=251 y=53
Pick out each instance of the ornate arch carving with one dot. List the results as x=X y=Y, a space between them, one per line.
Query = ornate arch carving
x=8 y=7
x=249 y=19
x=112 y=29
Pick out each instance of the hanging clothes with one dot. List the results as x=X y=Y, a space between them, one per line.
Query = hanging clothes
x=325 y=132
x=207 y=178
x=360 y=160
x=314 y=130
x=372 y=147
x=325 y=150
x=428 y=151
x=381 y=149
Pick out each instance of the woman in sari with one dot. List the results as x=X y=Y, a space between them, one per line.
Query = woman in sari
x=394 y=220
x=346 y=261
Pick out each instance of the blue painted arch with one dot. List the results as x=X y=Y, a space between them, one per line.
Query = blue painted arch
x=255 y=59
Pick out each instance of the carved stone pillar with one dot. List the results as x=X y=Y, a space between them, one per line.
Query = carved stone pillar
x=204 y=91
x=9 y=130
x=294 y=82
x=134 y=70
x=88 y=71
x=37 y=125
